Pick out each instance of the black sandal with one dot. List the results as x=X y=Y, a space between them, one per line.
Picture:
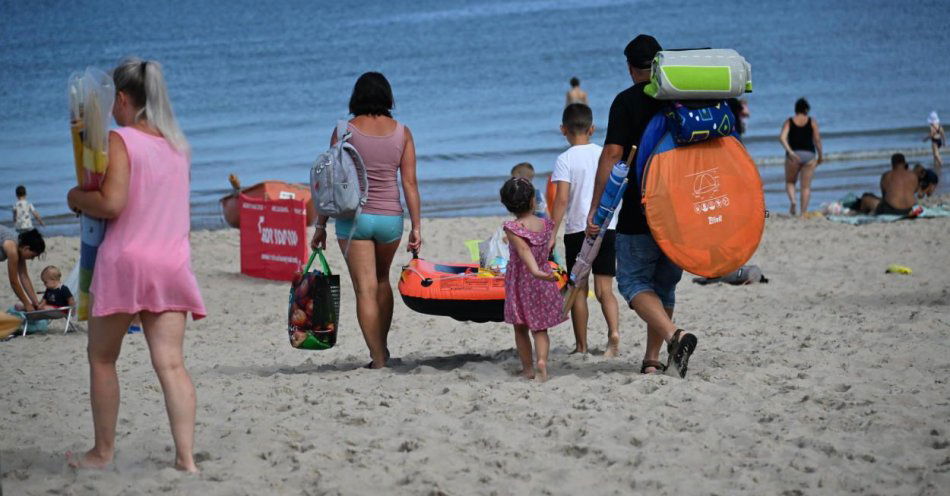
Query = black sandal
x=679 y=350
x=644 y=365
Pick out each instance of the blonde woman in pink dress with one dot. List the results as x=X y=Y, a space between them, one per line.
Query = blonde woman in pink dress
x=144 y=263
x=532 y=299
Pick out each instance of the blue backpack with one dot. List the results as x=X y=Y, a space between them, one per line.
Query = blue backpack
x=694 y=122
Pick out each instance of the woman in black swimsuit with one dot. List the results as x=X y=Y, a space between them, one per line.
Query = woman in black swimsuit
x=937 y=137
x=802 y=144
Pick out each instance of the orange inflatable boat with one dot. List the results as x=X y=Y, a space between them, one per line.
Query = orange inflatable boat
x=464 y=292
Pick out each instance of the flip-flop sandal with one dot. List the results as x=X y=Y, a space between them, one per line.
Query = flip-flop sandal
x=658 y=367
x=679 y=350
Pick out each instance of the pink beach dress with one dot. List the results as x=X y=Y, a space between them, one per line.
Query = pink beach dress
x=528 y=300
x=144 y=262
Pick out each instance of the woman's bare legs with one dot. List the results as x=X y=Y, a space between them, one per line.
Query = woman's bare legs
x=808 y=171
x=384 y=291
x=104 y=345
x=361 y=262
x=165 y=334
x=938 y=160
x=792 y=167
x=523 y=345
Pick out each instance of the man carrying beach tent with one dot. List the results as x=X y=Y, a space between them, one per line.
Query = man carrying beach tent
x=677 y=193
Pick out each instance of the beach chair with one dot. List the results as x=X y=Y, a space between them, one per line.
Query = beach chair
x=48 y=314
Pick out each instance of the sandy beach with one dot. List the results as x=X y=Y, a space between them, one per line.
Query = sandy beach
x=830 y=379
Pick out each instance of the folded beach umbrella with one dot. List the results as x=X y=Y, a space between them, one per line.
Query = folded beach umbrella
x=91 y=95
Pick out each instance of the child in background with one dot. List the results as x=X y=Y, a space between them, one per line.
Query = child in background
x=574 y=175
x=56 y=295
x=526 y=170
x=937 y=137
x=532 y=298
x=23 y=212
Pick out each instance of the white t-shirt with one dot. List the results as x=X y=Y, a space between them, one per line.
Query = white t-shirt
x=24 y=211
x=578 y=166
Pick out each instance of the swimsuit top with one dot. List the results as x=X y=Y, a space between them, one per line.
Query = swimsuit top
x=801 y=138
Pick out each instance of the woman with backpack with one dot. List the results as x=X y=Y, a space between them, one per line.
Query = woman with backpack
x=370 y=240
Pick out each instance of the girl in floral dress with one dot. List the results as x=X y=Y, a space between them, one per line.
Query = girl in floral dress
x=532 y=299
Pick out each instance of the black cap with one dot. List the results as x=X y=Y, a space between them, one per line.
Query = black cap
x=641 y=50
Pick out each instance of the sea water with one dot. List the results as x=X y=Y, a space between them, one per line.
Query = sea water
x=258 y=87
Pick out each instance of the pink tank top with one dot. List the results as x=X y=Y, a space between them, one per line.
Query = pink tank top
x=144 y=262
x=382 y=156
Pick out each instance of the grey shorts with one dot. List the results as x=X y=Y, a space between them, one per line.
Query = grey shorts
x=805 y=156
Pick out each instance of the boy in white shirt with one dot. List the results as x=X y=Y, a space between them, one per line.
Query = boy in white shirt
x=574 y=175
x=23 y=212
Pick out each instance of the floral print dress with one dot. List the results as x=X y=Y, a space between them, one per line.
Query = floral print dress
x=528 y=300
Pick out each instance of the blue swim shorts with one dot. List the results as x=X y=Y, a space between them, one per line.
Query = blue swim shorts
x=641 y=266
x=383 y=229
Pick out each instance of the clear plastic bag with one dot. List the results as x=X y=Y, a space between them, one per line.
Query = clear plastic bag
x=493 y=252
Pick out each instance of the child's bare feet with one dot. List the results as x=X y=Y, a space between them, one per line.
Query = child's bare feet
x=525 y=373
x=542 y=375
x=613 y=346
x=91 y=460
x=578 y=350
x=186 y=465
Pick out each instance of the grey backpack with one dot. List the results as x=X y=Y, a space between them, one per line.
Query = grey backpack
x=338 y=181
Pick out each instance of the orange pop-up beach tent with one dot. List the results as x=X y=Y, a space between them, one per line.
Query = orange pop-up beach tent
x=703 y=202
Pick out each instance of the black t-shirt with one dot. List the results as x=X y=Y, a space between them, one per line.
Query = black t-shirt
x=629 y=115
x=58 y=297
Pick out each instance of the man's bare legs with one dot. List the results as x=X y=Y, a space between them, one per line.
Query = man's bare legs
x=660 y=327
x=604 y=290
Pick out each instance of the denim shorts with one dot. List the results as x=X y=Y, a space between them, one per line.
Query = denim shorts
x=383 y=229
x=641 y=266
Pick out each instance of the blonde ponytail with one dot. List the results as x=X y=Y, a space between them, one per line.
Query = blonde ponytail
x=143 y=81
